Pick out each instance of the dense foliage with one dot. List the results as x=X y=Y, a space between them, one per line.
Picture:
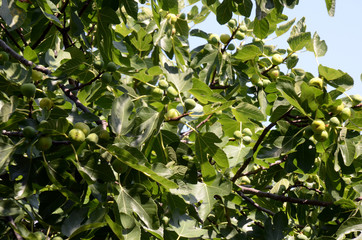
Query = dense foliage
x=113 y=128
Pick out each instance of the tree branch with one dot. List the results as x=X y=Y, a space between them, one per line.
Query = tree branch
x=86 y=84
x=22 y=59
x=283 y=198
x=255 y=204
x=11 y=37
x=199 y=125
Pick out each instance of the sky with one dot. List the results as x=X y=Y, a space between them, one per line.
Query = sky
x=342 y=33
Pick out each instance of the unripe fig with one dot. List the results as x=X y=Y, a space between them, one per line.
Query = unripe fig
x=238 y=135
x=172 y=114
x=76 y=135
x=172 y=17
x=36 y=75
x=92 y=138
x=321 y=137
x=190 y=104
x=246 y=140
x=171 y=91
x=334 y=121
x=247 y=132
x=29 y=132
x=157 y=92
x=345 y=113
x=224 y=38
x=277 y=59
x=318 y=126
x=44 y=143
x=182 y=16
x=103 y=135
x=46 y=103
x=111 y=67
x=83 y=127
x=173 y=31
x=232 y=23
x=98 y=64
x=231 y=47
x=255 y=79
x=163 y=84
x=274 y=73
x=316 y=82
x=106 y=77
x=213 y=39
x=28 y=90
x=337 y=109
x=239 y=35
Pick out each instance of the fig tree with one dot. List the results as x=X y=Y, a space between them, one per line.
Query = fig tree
x=163 y=84
x=28 y=90
x=46 y=103
x=172 y=114
x=277 y=59
x=103 y=135
x=334 y=121
x=246 y=140
x=345 y=113
x=111 y=67
x=92 y=138
x=171 y=91
x=36 y=75
x=237 y=134
x=29 y=132
x=316 y=82
x=76 y=135
x=336 y=109
x=274 y=73
x=232 y=23
x=247 y=132
x=213 y=39
x=321 y=137
x=224 y=38
x=239 y=35
x=83 y=127
x=157 y=92
x=190 y=104
x=106 y=77
x=231 y=47
x=44 y=143
x=318 y=126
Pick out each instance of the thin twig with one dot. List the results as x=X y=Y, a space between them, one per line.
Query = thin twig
x=11 y=37
x=283 y=198
x=199 y=125
x=251 y=201
x=80 y=86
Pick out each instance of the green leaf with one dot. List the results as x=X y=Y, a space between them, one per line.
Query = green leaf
x=207 y=141
x=9 y=207
x=30 y=54
x=115 y=227
x=186 y=227
x=6 y=151
x=247 y=52
x=181 y=80
x=139 y=162
x=136 y=201
x=204 y=194
x=319 y=47
x=143 y=40
x=245 y=7
x=12 y=15
x=207 y=170
x=48 y=11
x=203 y=93
x=305 y=155
x=169 y=5
x=299 y=41
x=245 y=111
x=286 y=88
x=261 y=28
x=74 y=221
x=331 y=6
x=336 y=78
x=352 y=225
x=76 y=25
x=131 y=8
x=283 y=28
x=224 y=12
x=121 y=120
x=348 y=150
